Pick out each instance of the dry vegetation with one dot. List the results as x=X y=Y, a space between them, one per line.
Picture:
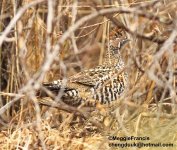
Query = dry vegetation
x=44 y=40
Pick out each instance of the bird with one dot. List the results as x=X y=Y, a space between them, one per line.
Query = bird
x=101 y=84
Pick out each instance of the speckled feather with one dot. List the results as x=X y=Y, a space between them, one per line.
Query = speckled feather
x=103 y=83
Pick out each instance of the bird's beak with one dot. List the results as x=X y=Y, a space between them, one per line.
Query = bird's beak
x=124 y=42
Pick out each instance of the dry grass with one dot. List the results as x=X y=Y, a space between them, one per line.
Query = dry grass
x=44 y=40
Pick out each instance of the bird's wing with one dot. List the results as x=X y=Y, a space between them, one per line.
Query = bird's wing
x=85 y=78
x=90 y=77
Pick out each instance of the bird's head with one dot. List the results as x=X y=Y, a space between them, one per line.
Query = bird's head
x=117 y=39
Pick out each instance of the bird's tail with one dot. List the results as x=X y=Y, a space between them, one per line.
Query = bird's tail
x=56 y=87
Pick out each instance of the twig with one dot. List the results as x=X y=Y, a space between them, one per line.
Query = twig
x=11 y=94
x=16 y=18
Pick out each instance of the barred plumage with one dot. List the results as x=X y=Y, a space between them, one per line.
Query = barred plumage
x=103 y=83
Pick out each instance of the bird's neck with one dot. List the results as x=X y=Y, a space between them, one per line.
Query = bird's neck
x=111 y=58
